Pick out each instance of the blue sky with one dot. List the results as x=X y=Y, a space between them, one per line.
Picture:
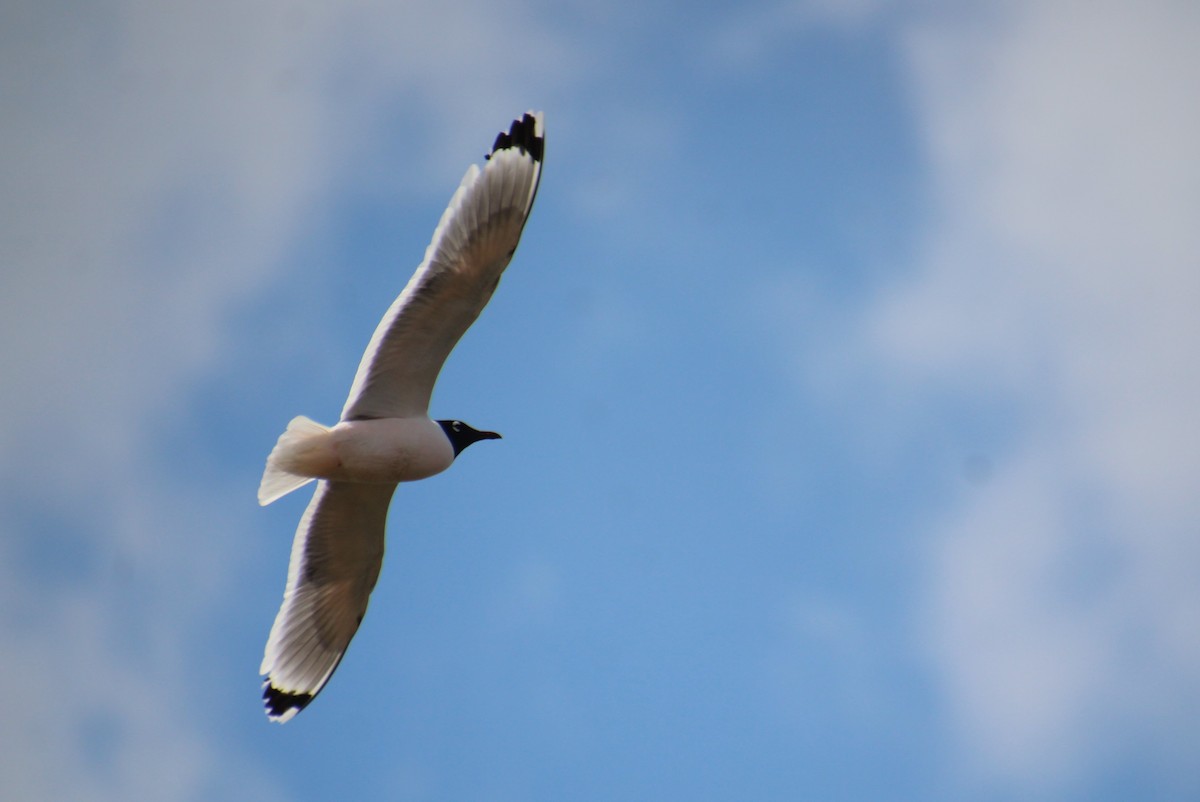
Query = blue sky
x=847 y=371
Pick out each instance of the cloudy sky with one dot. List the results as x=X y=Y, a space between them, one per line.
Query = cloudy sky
x=848 y=373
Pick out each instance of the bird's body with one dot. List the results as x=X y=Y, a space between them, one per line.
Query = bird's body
x=385 y=435
x=374 y=451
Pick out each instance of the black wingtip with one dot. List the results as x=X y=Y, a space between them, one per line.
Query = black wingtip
x=524 y=135
x=282 y=705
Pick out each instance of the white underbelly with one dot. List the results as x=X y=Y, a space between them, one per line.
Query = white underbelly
x=389 y=450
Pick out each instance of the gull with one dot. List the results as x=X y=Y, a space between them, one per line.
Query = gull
x=385 y=435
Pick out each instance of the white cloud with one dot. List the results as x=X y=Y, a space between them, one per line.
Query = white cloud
x=1060 y=274
x=1023 y=656
x=160 y=162
x=99 y=706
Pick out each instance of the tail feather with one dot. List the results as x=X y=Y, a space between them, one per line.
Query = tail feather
x=303 y=445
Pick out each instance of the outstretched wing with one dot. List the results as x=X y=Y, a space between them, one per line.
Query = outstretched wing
x=471 y=246
x=335 y=563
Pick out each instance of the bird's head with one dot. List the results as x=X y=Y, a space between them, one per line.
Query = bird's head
x=461 y=435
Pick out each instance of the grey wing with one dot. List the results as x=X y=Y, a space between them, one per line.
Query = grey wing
x=471 y=246
x=335 y=563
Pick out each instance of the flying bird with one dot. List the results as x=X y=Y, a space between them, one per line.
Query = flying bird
x=385 y=435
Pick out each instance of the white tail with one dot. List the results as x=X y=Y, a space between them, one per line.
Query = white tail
x=302 y=453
